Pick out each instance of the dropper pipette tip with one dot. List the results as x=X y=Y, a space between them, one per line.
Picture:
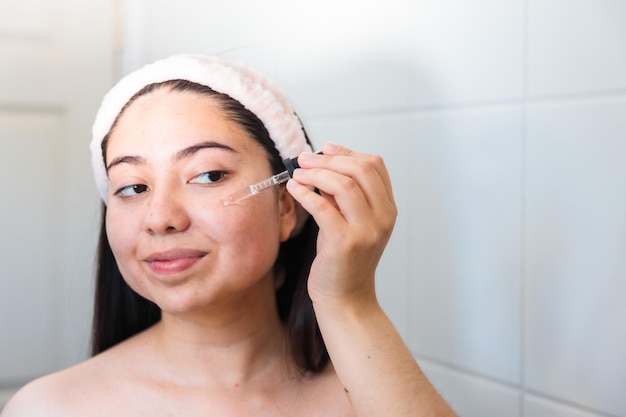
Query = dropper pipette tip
x=236 y=197
x=254 y=189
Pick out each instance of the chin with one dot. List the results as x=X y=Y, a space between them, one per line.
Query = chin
x=181 y=304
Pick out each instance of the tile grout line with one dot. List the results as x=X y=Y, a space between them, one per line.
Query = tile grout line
x=523 y=199
x=525 y=100
x=569 y=404
x=456 y=369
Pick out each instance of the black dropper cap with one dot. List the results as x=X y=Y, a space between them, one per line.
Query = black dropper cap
x=291 y=164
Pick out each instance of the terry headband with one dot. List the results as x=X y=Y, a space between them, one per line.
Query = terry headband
x=252 y=89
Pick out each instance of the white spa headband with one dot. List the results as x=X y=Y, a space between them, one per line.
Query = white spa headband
x=252 y=89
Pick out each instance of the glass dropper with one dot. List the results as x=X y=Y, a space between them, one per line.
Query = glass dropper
x=290 y=163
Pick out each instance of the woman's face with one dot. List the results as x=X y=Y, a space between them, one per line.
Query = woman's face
x=171 y=159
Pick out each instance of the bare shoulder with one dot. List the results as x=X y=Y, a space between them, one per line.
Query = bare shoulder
x=47 y=395
x=29 y=400
x=64 y=393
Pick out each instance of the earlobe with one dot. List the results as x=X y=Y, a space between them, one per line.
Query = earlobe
x=288 y=217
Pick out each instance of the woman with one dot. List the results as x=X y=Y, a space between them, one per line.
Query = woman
x=262 y=308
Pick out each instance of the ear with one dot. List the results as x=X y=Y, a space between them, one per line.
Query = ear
x=287 y=212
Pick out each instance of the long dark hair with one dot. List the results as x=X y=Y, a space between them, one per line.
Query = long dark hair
x=119 y=312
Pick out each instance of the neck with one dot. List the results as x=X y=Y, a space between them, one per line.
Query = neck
x=233 y=346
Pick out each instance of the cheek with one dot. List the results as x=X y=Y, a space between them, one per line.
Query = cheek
x=251 y=229
x=122 y=237
x=118 y=230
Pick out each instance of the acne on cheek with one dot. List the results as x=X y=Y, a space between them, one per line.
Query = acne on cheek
x=250 y=218
x=233 y=221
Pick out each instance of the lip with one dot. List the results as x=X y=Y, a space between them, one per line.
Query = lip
x=173 y=261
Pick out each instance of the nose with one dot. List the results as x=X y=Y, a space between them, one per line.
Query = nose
x=166 y=213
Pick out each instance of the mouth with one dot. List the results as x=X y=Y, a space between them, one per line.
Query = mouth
x=173 y=261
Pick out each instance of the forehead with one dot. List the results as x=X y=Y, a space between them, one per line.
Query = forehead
x=165 y=120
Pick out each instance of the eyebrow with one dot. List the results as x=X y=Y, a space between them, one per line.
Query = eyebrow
x=182 y=154
x=187 y=152
x=132 y=160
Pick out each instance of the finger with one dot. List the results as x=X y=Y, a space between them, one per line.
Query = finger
x=330 y=148
x=364 y=169
x=342 y=191
x=323 y=209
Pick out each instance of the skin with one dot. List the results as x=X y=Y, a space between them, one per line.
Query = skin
x=219 y=348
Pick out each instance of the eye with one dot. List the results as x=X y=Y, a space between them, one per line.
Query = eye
x=209 y=177
x=132 y=190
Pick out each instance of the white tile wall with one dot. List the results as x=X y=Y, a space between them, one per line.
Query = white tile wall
x=576 y=46
x=466 y=182
x=576 y=252
x=511 y=241
x=467 y=51
x=352 y=53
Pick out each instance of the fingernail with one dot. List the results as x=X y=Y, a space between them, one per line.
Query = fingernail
x=293 y=184
x=330 y=147
x=305 y=156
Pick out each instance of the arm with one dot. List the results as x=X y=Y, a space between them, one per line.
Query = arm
x=355 y=211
